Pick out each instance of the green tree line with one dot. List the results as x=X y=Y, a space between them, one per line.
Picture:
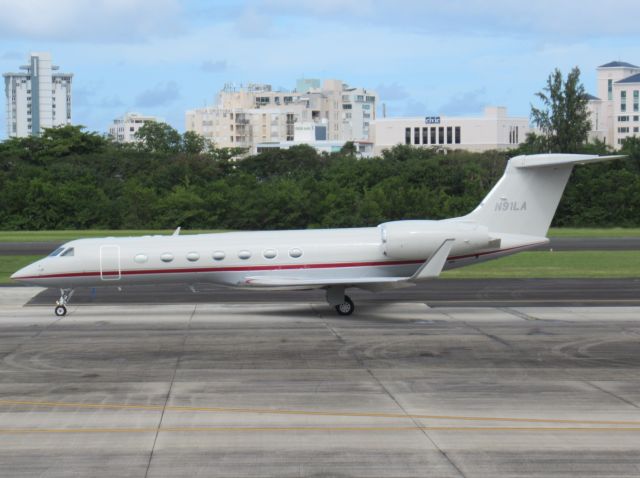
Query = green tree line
x=68 y=178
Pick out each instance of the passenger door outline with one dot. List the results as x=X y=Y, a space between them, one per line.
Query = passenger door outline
x=110 y=262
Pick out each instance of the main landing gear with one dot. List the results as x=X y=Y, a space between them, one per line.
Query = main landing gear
x=342 y=303
x=347 y=307
x=61 y=303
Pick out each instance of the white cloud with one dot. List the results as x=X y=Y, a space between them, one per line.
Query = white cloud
x=323 y=8
x=83 y=96
x=420 y=54
x=414 y=108
x=111 y=102
x=464 y=103
x=563 y=20
x=160 y=95
x=109 y=21
x=12 y=55
x=254 y=23
x=210 y=66
x=391 y=92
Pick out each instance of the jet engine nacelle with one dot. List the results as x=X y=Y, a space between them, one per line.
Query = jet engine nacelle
x=419 y=239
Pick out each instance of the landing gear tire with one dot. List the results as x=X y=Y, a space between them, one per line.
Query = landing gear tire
x=347 y=307
x=61 y=303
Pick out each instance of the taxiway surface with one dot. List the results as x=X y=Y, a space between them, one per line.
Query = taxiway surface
x=290 y=389
x=439 y=293
x=557 y=244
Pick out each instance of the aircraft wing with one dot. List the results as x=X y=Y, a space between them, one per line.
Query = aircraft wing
x=431 y=268
x=272 y=281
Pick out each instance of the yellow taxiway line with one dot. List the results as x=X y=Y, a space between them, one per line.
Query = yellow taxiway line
x=269 y=411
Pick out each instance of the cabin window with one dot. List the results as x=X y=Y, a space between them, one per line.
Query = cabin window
x=218 y=255
x=295 y=252
x=269 y=253
x=56 y=252
x=141 y=258
x=193 y=256
x=166 y=257
x=68 y=253
x=244 y=254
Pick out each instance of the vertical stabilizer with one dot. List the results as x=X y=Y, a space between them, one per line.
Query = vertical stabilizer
x=525 y=199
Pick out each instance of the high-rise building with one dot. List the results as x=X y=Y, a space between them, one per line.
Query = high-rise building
x=37 y=97
x=123 y=129
x=615 y=112
x=257 y=114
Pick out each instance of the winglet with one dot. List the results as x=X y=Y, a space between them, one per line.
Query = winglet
x=176 y=232
x=432 y=267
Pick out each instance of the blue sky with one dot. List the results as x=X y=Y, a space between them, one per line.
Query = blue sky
x=163 y=57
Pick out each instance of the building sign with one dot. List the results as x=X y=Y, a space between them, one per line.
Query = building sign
x=432 y=119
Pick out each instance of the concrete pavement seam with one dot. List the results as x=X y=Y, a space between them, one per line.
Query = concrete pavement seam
x=610 y=393
x=166 y=401
x=518 y=313
x=398 y=404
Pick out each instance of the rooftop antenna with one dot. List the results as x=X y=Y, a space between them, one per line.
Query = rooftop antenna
x=384 y=110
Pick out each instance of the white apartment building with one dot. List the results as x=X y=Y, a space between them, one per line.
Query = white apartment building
x=494 y=130
x=615 y=112
x=315 y=135
x=246 y=116
x=37 y=97
x=123 y=129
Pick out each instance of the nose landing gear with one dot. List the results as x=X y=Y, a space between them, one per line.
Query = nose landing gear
x=61 y=303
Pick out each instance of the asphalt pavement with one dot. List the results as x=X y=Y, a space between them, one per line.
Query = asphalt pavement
x=436 y=293
x=557 y=244
x=293 y=390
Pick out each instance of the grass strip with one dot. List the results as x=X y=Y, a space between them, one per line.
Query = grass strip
x=10 y=264
x=594 y=232
x=558 y=264
x=68 y=235
x=63 y=236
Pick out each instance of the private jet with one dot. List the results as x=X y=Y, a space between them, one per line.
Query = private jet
x=513 y=217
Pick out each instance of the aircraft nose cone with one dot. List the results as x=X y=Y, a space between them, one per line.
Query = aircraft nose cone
x=28 y=271
x=18 y=274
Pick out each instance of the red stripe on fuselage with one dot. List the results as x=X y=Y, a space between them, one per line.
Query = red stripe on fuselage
x=226 y=269
x=266 y=267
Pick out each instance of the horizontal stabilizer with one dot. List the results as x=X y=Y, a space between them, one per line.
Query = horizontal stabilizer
x=546 y=160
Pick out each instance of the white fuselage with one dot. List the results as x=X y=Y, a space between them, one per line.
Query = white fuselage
x=514 y=216
x=229 y=258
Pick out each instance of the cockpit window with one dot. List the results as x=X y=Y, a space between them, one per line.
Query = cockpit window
x=68 y=252
x=56 y=252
